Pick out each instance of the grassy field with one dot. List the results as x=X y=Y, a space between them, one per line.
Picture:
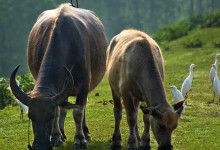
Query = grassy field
x=199 y=126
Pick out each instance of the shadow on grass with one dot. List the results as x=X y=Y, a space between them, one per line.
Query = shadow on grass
x=93 y=145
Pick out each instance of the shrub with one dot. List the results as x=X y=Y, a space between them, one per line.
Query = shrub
x=172 y=32
x=6 y=97
x=193 y=43
x=216 y=43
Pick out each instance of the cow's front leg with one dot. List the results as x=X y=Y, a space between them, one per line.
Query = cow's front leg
x=116 y=138
x=145 y=139
x=131 y=115
x=63 y=113
x=78 y=114
x=56 y=136
x=85 y=127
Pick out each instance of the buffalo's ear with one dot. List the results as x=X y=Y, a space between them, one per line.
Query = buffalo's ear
x=177 y=105
x=180 y=110
x=67 y=105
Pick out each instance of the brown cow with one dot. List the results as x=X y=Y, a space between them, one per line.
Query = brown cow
x=135 y=72
x=65 y=36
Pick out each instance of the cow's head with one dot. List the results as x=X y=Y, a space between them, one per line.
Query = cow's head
x=163 y=124
x=42 y=109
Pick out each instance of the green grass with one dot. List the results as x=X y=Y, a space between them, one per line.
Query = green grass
x=199 y=126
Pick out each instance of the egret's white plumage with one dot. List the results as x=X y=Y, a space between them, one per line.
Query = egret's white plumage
x=177 y=95
x=23 y=107
x=186 y=86
x=216 y=83
x=211 y=73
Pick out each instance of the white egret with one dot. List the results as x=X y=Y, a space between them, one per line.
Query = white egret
x=177 y=95
x=211 y=74
x=186 y=86
x=23 y=107
x=216 y=83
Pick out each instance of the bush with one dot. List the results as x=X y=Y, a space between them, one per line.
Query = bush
x=6 y=97
x=216 y=43
x=172 y=32
x=194 y=43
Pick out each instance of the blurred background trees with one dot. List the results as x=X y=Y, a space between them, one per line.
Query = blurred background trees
x=18 y=17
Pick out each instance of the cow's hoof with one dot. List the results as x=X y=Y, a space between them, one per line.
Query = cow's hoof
x=132 y=148
x=80 y=144
x=144 y=148
x=115 y=147
x=56 y=141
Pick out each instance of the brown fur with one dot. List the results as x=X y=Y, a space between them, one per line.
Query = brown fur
x=70 y=37
x=135 y=71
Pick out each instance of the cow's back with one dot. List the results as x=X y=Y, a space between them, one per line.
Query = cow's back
x=120 y=50
x=70 y=36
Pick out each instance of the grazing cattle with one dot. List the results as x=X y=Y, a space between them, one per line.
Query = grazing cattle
x=70 y=37
x=135 y=72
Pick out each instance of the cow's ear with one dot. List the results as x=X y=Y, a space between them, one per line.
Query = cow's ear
x=180 y=110
x=67 y=105
x=177 y=105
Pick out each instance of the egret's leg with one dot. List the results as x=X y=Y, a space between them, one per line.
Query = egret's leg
x=213 y=97
x=186 y=99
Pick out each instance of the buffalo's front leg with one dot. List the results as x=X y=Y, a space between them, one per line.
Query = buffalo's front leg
x=78 y=114
x=145 y=139
x=56 y=136
x=85 y=127
x=131 y=115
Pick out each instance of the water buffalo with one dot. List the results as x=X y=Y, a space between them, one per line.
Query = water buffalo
x=70 y=37
x=135 y=72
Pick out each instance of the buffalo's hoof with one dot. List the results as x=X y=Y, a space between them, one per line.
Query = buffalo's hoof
x=115 y=147
x=132 y=148
x=80 y=146
x=56 y=141
x=144 y=148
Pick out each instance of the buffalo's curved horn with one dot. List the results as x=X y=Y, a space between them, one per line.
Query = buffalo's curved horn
x=18 y=93
x=64 y=94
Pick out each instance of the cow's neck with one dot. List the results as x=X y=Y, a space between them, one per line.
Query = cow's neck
x=154 y=90
x=50 y=77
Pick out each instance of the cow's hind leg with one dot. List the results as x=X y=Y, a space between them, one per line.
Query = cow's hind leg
x=145 y=139
x=78 y=114
x=116 y=138
x=132 y=115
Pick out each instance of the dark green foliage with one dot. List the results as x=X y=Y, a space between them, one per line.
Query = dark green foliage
x=172 y=32
x=216 y=43
x=6 y=97
x=193 y=43
x=18 y=17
